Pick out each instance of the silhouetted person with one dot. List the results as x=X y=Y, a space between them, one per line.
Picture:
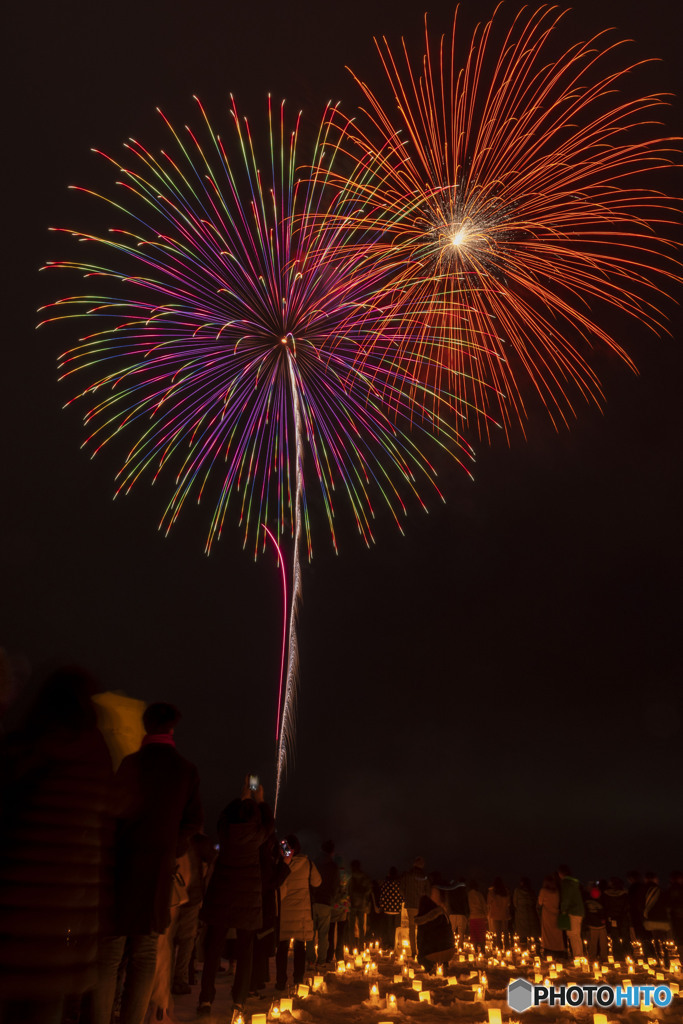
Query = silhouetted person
x=596 y=922
x=234 y=897
x=478 y=914
x=526 y=918
x=56 y=850
x=202 y=855
x=552 y=938
x=390 y=903
x=339 y=912
x=636 y=901
x=158 y=810
x=616 y=903
x=414 y=885
x=359 y=889
x=571 y=904
x=459 y=908
x=322 y=898
x=498 y=909
x=656 y=917
x=274 y=872
x=435 y=942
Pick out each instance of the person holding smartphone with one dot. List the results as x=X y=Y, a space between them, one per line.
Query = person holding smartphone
x=296 y=918
x=234 y=896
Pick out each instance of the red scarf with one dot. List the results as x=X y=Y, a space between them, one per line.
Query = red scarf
x=158 y=737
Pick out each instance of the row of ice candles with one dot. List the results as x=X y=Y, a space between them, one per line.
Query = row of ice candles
x=365 y=962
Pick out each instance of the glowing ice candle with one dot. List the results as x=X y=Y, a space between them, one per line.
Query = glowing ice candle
x=275 y=1011
x=495 y=1016
x=317 y=983
x=391 y=1001
x=599 y=1018
x=259 y=1018
x=341 y=967
x=425 y=997
x=417 y=985
x=302 y=991
x=398 y=978
x=285 y=1006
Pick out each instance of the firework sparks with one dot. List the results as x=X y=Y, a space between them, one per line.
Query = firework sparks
x=507 y=204
x=210 y=351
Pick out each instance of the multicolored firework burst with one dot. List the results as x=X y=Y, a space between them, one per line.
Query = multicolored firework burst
x=507 y=201
x=209 y=350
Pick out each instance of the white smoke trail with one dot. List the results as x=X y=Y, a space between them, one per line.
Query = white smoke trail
x=286 y=740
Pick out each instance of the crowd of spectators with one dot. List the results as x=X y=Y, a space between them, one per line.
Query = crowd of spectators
x=111 y=892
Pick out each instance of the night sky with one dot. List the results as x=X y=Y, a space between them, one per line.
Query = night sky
x=499 y=689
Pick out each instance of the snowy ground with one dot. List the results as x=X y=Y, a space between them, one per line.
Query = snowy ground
x=463 y=995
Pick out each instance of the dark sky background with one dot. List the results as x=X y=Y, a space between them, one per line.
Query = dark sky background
x=499 y=690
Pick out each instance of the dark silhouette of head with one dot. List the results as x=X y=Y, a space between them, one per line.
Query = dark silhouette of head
x=160 y=718
x=293 y=843
x=63 y=702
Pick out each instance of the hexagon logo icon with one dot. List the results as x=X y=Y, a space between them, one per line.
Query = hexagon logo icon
x=520 y=995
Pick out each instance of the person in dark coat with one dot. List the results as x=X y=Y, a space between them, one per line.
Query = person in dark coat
x=616 y=903
x=526 y=917
x=274 y=872
x=322 y=899
x=656 y=918
x=636 y=905
x=159 y=809
x=56 y=851
x=459 y=908
x=435 y=942
x=234 y=897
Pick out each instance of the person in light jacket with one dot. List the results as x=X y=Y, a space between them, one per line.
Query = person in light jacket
x=296 y=918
